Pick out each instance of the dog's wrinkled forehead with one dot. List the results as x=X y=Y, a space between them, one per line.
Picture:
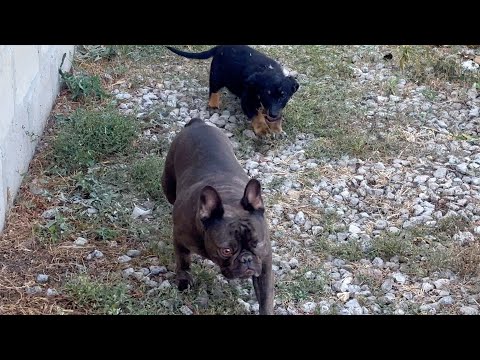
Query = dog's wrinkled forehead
x=242 y=230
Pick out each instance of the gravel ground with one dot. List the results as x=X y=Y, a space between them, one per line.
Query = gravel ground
x=350 y=234
x=369 y=198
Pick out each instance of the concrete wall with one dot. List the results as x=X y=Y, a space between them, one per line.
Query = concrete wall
x=29 y=84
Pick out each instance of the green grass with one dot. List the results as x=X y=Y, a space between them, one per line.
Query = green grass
x=112 y=296
x=327 y=105
x=95 y=52
x=447 y=227
x=99 y=297
x=146 y=176
x=299 y=288
x=90 y=136
x=81 y=85
x=320 y=105
x=389 y=245
x=53 y=231
x=429 y=249
x=423 y=249
x=426 y=64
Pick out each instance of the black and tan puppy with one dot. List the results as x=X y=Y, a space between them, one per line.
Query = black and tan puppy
x=255 y=78
x=218 y=211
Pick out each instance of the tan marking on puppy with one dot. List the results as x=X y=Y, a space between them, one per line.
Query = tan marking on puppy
x=275 y=126
x=214 y=101
x=260 y=127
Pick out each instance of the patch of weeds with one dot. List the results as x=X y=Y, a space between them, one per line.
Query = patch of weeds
x=104 y=233
x=465 y=260
x=372 y=281
x=54 y=231
x=208 y=296
x=314 y=60
x=276 y=182
x=347 y=250
x=436 y=259
x=392 y=86
x=425 y=64
x=90 y=136
x=95 y=52
x=447 y=227
x=336 y=144
x=315 y=108
x=140 y=52
x=404 y=57
x=322 y=109
x=430 y=94
x=162 y=249
x=301 y=288
x=337 y=141
x=102 y=298
x=428 y=249
x=82 y=86
x=466 y=137
x=222 y=297
x=389 y=245
x=113 y=214
x=146 y=175
x=330 y=222
x=158 y=148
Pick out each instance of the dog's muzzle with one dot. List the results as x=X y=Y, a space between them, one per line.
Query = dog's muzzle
x=273 y=119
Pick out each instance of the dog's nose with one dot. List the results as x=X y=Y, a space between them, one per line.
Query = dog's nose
x=246 y=258
x=272 y=114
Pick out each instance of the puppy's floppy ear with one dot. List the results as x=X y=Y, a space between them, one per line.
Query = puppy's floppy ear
x=210 y=204
x=294 y=84
x=252 y=197
x=252 y=80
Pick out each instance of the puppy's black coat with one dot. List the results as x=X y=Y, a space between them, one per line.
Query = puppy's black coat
x=255 y=78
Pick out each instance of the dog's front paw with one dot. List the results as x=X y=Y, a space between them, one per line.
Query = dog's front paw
x=280 y=135
x=184 y=280
x=259 y=124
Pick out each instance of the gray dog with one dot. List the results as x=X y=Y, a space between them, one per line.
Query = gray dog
x=218 y=211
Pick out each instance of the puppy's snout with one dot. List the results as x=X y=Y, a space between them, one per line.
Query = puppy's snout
x=273 y=114
x=246 y=258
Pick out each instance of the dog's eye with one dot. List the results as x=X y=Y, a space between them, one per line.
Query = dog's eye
x=226 y=252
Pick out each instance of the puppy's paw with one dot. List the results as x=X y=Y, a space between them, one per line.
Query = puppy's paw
x=214 y=101
x=259 y=125
x=184 y=280
x=280 y=135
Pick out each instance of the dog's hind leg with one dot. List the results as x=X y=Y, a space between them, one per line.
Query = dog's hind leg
x=214 y=100
x=216 y=84
x=169 y=182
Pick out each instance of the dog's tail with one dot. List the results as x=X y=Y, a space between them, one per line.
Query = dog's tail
x=202 y=55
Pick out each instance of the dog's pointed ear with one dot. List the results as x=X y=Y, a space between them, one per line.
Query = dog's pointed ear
x=294 y=84
x=252 y=197
x=210 y=204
